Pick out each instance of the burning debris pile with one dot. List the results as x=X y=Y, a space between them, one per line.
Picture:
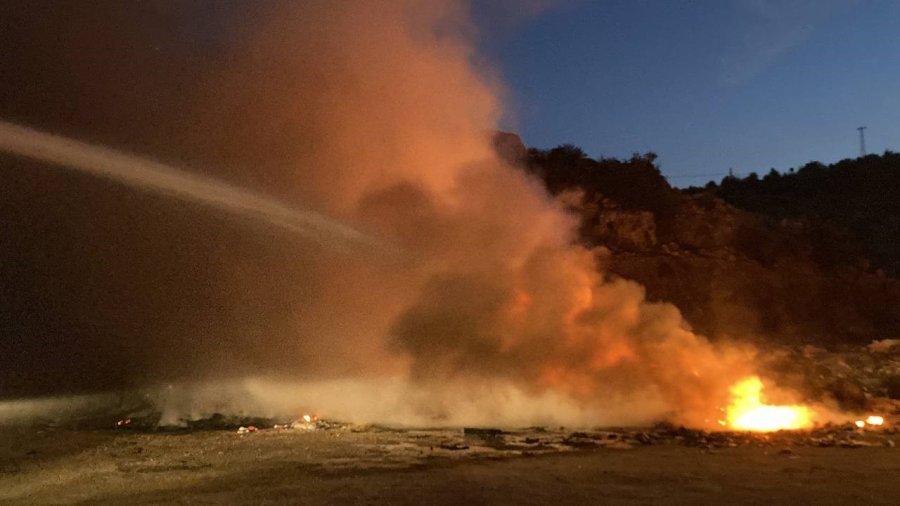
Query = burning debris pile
x=747 y=410
x=538 y=440
x=846 y=435
x=762 y=430
x=874 y=370
x=752 y=405
x=857 y=379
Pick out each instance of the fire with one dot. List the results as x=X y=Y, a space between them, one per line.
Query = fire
x=873 y=420
x=747 y=410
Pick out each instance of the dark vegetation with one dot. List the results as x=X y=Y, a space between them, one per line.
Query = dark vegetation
x=801 y=258
x=567 y=167
x=856 y=200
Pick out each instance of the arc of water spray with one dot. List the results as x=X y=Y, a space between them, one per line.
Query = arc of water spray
x=165 y=179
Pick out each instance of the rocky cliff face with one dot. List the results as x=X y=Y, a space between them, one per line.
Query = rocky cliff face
x=732 y=273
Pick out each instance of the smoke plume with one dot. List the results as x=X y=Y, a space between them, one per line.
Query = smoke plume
x=379 y=114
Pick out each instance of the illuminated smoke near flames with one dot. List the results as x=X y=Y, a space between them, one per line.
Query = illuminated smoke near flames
x=497 y=317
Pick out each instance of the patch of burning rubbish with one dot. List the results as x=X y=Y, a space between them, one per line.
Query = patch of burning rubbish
x=531 y=441
x=868 y=431
x=847 y=435
x=870 y=421
x=853 y=376
x=875 y=430
x=859 y=385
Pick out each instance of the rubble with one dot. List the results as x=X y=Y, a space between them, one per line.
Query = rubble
x=858 y=378
x=473 y=431
x=884 y=346
x=453 y=446
x=827 y=436
x=870 y=431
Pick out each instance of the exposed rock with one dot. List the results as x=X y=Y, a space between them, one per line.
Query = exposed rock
x=707 y=223
x=625 y=229
x=510 y=147
x=731 y=272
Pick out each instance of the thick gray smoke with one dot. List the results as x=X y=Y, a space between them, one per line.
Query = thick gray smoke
x=374 y=113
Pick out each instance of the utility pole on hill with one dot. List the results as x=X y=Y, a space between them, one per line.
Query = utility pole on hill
x=862 y=140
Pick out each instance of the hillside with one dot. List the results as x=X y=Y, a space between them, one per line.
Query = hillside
x=734 y=269
x=856 y=198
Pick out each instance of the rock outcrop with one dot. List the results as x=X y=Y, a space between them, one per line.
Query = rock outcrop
x=731 y=272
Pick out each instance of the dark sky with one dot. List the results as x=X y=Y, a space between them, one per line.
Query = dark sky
x=103 y=286
x=707 y=84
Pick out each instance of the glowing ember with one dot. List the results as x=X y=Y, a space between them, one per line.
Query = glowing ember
x=875 y=420
x=748 y=412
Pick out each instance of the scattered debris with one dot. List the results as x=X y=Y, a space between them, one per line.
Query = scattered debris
x=580 y=440
x=305 y=423
x=619 y=445
x=855 y=377
x=474 y=431
x=221 y=422
x=884 y=346
x=454 y=446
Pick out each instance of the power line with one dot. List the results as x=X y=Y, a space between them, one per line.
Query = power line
x=686 y=176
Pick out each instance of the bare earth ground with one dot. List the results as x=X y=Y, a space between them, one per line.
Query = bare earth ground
x=382 y=466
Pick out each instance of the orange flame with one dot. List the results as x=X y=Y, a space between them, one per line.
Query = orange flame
x=875 y=420
x=747 y=410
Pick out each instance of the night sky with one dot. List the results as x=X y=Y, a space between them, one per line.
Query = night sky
x=708 y=85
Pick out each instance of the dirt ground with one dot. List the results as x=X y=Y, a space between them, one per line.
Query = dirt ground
x=379 y=466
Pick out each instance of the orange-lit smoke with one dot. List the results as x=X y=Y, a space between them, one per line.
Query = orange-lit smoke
x=378 y=109
x=387 y=124
x=381 y=115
